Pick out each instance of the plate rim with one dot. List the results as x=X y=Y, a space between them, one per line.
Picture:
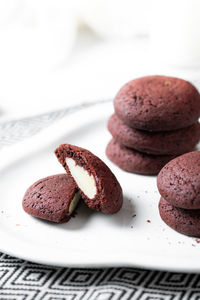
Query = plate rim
x=146 y=262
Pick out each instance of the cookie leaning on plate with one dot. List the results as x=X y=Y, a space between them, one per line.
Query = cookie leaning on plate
x=158 y=103
x=53 y=198
x=99 y=187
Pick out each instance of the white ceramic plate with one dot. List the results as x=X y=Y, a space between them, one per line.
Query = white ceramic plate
x=90 y=239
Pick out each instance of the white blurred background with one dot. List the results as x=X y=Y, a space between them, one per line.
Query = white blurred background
x=55 y=53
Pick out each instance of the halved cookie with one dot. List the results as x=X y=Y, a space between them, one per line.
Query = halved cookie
x=53 y=198
x=98 y=185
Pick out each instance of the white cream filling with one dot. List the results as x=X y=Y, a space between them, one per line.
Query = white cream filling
x=84 y=180
x=74 y=202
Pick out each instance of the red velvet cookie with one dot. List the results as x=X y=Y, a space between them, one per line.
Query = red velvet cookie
x=159 y=143
x=98 y=185
x=158 y=103
x=52 y=198
x=134 y=161
x=182 y=220
x=179 y=181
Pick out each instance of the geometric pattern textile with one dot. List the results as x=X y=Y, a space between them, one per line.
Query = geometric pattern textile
x=22 y=280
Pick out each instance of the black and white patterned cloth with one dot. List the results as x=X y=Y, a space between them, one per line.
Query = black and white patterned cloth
x=22 y=280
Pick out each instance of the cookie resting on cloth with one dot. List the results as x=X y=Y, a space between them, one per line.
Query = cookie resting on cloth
x=52 y=198
x=179 y=181
x=134 y=161
x=159 y=143
x=158 y=103
x=184 y=221
x=98 y=185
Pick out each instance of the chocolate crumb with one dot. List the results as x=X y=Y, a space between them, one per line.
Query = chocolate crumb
x=148 y=221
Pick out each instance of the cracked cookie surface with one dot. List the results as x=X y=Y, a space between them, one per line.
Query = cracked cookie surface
x=184 y=221
x=158 y=143
x=50 y=198
x=158 y=103
x=179 y=181
x=134 y=161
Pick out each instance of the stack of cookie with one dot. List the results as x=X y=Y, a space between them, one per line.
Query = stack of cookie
x=179 y=185
x=155 y=120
